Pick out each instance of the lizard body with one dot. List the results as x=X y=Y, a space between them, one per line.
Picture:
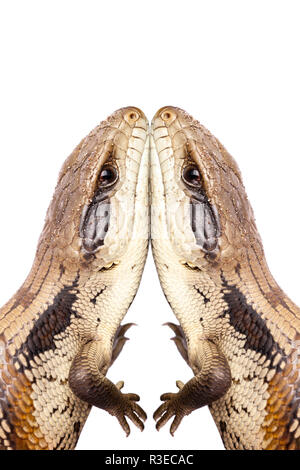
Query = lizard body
x=61 y=331
x=238 y=330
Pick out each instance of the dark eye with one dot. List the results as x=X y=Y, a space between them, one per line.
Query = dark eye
x=191 y=176
x=108 y=176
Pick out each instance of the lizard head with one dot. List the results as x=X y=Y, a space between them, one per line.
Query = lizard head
x=198 y=190
x=90 y=220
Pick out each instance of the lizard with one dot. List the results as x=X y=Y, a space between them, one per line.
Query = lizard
x=61 y=331
x=238 y=331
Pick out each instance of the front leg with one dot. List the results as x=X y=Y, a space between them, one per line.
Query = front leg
x=209 y=384
x=90 y=385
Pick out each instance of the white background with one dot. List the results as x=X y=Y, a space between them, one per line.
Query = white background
x=66 y=65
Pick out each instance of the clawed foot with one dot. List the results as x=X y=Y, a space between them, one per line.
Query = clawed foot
x=128 y=407
x=127 y=404
x=171 y=407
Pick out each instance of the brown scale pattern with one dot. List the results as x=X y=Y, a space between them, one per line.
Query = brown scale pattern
x=282 y=425
x=18 y=424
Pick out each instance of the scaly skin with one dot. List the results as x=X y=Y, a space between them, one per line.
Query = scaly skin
x=238 y=330
x=61 y=331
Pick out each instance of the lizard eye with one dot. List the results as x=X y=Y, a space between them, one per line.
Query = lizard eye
x=108 y=176
x=191 y=176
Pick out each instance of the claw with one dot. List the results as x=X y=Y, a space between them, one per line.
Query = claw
x=174 y=426
x=158 y=412
x=120 y=340
x=179 y=340
x=120 y=384
x=179 y=384
x=140 y=412
x=171 y=407
x=181 y=346
x=123 y=328
x=124 y=424
x=130 y=409
x=176 y=328
x=117 y=348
